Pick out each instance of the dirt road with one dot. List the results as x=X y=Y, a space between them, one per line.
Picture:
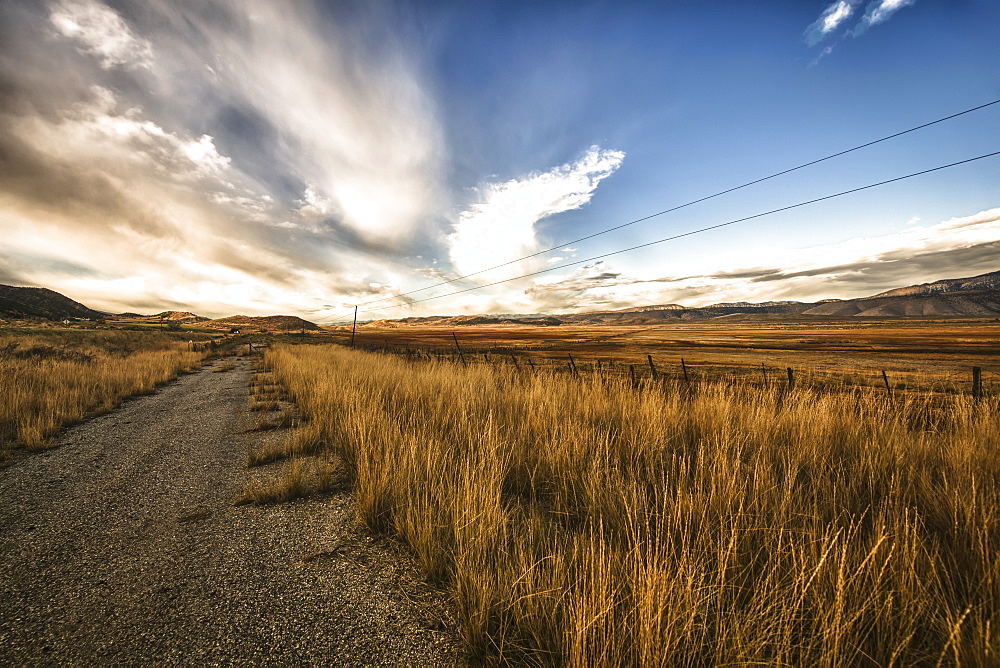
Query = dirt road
x=122 y=546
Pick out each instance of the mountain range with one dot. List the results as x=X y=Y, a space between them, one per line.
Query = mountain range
x=17 y=302
x=976 y=296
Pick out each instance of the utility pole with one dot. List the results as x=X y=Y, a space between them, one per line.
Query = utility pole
x=355 y=327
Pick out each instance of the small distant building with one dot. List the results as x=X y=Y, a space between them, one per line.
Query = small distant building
x=234 y=330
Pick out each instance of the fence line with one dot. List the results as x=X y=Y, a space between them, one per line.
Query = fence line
x=662 y=372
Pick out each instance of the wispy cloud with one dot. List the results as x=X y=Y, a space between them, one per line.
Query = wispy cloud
x=822 y=54
x=839 y=13
x=828 y=22
x=879 y=11
x=502 y=226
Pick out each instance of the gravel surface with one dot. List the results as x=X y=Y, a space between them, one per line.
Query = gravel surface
x=122 y=546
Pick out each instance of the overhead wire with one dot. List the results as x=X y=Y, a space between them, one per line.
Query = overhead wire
x=692 y=232
x=684 y=205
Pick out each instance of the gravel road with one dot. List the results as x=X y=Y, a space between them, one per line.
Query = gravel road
x=122 y=546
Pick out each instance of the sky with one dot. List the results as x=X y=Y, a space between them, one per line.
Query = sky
x=254 y=157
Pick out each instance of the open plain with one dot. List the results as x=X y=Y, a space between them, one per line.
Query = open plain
x=928 y=354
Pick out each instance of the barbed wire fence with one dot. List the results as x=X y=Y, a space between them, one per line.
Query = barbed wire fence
x=648 y=368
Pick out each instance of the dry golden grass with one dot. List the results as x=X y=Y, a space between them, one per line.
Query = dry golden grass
x=47 y=382
x=921 y=354
x=582 y=522
x=300 y=442
x=299 y=477
x=271 y=405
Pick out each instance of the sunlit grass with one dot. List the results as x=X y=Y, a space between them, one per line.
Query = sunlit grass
x=47 y=382
x=579 y=521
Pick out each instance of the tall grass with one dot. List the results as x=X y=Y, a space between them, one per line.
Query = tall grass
x=49 y=381
x=581 y=522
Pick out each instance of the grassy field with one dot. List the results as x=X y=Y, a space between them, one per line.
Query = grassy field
x=916 y=354
x=51 y=377
x=579 y=521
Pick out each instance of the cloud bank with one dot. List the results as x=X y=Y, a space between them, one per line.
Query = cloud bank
x=237 y=156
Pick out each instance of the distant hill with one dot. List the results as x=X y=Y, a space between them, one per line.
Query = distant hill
x=42 y=303
x=179 y=316
x=980 y=303
x=643 y=309
x=990 y=281
x=269 y=323
x=458 y=321
x=977 y=296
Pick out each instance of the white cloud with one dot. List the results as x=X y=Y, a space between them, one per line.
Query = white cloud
x=315 y=207
x=831 y=19
x=880 y=11
x=95 y=133
x=838 y=13
x=501 y=226
x=101 y=32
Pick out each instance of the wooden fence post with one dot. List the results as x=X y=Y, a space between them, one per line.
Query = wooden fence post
x=885 y=379
x=354 y=327
x=572 y=365
x=652 y=367
x=460 y=354
x=763 y=372
x=687 y=379
x=791 y=379
x=977 y=383
x=631 y=373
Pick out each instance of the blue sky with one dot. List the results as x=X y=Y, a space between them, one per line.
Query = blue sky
x=253 y=157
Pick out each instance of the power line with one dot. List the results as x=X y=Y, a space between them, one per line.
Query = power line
x=687 y=204
x=697 y=231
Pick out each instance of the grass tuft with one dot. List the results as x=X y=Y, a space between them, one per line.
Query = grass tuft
x=299 y=478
